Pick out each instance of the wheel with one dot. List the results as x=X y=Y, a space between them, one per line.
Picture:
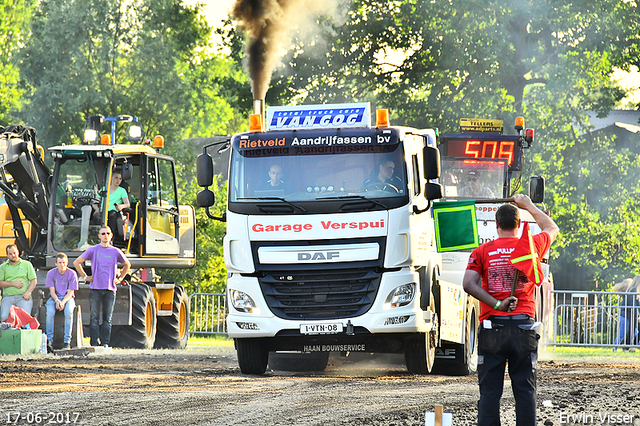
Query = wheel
x=141 y=334
x=173 y=331
x=466 y=355
x=299 y=361
x=420 y=351
x=470 y=364
x=252 y=356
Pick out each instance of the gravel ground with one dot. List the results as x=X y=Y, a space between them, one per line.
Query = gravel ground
x=203 y=386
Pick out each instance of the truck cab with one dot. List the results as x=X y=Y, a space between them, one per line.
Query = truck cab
x=149 y=231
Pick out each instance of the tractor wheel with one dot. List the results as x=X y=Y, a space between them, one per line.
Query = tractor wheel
x=252 y=356
x=141 y=334
x=173 y=331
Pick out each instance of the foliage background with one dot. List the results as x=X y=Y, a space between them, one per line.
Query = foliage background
x=429 y=61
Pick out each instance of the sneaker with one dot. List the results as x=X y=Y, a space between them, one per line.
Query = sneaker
x=49 y=348
x=66 y=346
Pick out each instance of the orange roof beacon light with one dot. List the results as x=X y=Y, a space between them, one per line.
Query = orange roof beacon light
x=255 y=122
x=382 y=118
x=158 y=142
x=105 y=140
x=519 y=123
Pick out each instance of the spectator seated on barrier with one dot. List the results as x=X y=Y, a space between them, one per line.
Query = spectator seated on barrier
x=62 y=283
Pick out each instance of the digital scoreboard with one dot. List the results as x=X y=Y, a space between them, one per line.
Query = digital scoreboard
x=484 y=146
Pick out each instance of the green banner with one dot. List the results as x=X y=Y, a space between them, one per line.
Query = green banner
x=456 y=225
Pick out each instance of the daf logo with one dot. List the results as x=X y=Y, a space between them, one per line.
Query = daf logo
x=318 y=255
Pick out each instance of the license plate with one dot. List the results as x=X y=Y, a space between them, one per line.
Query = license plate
x=321 y=328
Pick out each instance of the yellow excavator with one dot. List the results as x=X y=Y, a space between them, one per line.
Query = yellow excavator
x=49 y=211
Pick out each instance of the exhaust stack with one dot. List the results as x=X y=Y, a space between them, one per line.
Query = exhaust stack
x=259 y=108
x=257 y=119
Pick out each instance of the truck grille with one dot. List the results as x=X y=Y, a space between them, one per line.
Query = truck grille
x=322 y=295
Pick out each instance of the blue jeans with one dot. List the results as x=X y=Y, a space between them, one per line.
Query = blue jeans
x=68 y=318
x=626 y=333
x=105 y=299
x=17 y=300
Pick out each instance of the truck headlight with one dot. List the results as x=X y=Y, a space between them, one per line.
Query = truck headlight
x=242 y=301
x=401 y=295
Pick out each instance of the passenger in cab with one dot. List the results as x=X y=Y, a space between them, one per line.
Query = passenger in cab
x=473 y=187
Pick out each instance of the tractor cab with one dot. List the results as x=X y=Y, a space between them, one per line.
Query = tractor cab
x=130 y=188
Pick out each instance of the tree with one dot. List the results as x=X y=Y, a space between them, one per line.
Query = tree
x=596 y=201
x=436 y=61
x=14 y=19
x=433 y=62
x=109 y=57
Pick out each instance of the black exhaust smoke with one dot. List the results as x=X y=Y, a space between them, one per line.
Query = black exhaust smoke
x=266 y=22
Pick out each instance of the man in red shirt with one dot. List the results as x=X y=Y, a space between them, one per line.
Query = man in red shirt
x=505 y=332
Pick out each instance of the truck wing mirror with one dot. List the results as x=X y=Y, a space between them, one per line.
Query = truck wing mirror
x=536 y=189
x=205 y=198
x=433 y=191
x=204 y=170
x=431 y=163
x=127 y=171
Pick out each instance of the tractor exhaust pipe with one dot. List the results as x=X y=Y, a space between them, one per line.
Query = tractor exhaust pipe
x=259 y=108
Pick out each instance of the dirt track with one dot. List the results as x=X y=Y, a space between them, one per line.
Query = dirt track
x=203 y=386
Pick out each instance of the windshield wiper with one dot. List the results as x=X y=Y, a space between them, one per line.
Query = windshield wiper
x=353 y=197
x=302 y=209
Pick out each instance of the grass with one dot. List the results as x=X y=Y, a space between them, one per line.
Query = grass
x=587 y=354
x=203 y=340
x=199 y=341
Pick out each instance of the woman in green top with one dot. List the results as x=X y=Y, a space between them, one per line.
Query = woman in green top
x=118 y=197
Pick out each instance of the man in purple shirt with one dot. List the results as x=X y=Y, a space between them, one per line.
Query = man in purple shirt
x=62 y=283
x=102 y=291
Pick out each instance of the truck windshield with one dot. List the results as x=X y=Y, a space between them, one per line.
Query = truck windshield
x=77 y=218
x=321 y=171
x=473 y=179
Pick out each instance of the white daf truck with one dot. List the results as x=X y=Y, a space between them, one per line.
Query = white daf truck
x=330 y=242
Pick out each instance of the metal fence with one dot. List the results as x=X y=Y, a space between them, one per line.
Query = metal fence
x=592 y=319
x=576 y=318
x=208 y=313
